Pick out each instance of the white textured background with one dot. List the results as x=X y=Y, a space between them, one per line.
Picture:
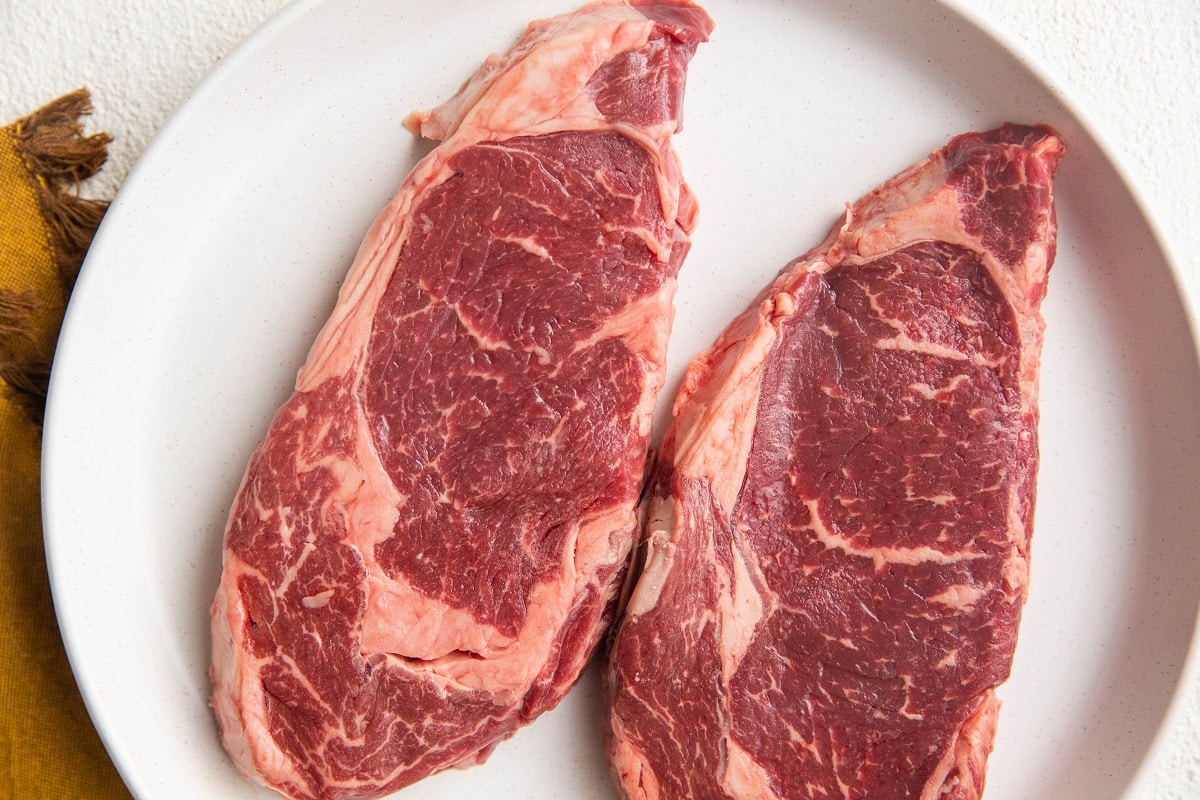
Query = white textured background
x=1132 y=65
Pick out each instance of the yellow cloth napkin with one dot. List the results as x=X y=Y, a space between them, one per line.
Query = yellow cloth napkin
x=48 y=747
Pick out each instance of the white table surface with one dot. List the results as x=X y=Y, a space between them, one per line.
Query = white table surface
x=1132 y=66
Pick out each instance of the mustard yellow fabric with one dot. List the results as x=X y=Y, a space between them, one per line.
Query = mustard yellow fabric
x=48 y=746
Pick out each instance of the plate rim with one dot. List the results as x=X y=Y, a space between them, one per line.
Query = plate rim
x=981 y=21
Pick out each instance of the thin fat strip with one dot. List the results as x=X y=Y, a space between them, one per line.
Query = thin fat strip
x=837 y=550
x=429 y=543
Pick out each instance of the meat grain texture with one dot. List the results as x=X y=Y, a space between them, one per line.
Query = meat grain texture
x=838 y=546
x=429 y=542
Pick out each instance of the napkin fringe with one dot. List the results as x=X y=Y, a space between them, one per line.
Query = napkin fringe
x=58 y=156
x=27 y=380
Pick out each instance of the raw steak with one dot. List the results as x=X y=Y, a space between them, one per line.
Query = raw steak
x=837 y=550
x=429 y=543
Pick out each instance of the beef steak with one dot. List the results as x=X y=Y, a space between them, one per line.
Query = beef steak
x=837 y=551
x=429 y=542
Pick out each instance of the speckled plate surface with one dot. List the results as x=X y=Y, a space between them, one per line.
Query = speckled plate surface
x=222 y=256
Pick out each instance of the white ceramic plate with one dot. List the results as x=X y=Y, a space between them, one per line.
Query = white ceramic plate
x=222 y=255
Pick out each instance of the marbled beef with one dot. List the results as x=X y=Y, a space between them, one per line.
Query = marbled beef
x=838 y=545
x=429 y=543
